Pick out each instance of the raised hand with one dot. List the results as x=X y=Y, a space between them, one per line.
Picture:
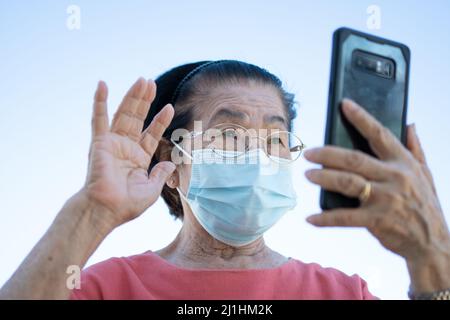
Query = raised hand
x=120 y=154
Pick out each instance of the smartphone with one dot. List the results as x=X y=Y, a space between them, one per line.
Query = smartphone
x=373 y=72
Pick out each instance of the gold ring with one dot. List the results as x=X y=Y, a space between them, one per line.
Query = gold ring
x=365 y=193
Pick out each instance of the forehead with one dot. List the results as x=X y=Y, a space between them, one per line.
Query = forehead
x=248 y=104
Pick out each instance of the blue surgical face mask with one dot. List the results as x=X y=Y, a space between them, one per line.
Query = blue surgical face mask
x=237 y=202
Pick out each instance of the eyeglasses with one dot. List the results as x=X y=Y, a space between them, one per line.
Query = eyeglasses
x=230 y=140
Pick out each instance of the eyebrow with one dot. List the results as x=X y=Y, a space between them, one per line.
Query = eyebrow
x=229 y=113
x=239 y=115
x=276 y=118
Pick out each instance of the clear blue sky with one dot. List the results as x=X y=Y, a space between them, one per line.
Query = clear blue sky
x=49 y=74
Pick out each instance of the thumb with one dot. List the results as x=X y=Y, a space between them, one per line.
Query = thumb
x=160 y=173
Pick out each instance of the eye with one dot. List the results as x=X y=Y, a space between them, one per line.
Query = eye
x=279 y=139
x=275 y=140
x=230 y=133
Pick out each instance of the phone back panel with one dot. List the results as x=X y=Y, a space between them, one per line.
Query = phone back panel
x=374 y=73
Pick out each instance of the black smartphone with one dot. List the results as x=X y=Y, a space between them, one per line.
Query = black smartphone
x=373 y=72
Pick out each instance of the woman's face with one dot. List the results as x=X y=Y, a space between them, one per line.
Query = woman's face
x=252 y=106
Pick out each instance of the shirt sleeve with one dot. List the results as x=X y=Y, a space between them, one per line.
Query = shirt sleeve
x=97 y=280
x=89 y=287
x=365 y=291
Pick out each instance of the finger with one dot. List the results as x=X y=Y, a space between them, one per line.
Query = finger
x=138 y=119
x=144 y=105
x=382 y=141
x=125 y=121
x=100 y=123
x=354 y=217
x=152 y=135
x=350 y=160
x=160 y=173
x=413 y=144
x=346 y=183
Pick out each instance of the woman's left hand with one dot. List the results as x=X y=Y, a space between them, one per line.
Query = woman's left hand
x=402 y=210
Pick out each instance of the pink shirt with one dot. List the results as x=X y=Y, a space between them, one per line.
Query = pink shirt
x=148 y=276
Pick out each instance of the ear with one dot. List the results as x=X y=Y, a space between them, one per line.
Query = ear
x=163 y=153
x=174 y=180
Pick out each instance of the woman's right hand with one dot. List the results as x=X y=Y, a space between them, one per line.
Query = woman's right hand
x=120 y=155
x=117 y=189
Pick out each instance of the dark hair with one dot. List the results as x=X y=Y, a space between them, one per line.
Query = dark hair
x=183 y=83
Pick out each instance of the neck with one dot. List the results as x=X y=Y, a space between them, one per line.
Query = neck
x=195 y=248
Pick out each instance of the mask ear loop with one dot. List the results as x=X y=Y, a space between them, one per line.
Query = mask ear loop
x=181 y=149
x=190 y=157
x=182 y=195
x=186 y=200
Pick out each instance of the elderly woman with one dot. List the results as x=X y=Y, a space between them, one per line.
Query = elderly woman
x=217 y=177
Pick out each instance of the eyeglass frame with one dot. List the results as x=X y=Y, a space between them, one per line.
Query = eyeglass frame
x=194 y=134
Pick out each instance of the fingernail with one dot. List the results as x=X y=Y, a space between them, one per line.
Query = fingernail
x=101 y=94
x=140 y=82
x=167 y=106
x=172 y=166
x=348 y=104
x=309 y=153
x=169 y=167
x=309 y=173
x=149 y=93
x=346 y=100
x=311 y=219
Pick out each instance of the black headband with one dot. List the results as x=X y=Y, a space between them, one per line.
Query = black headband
x=188 y=77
